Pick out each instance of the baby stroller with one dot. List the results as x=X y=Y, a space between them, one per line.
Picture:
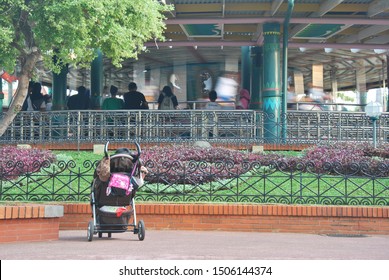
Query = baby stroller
x=116 y=179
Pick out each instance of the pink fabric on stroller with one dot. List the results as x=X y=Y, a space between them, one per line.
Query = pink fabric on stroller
x=119 y=181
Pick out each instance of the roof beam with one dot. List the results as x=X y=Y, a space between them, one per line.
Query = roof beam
x=327 y=6
x=203 y=8
x=378 y=40
x=251 y=43
x=378 y=7
x=339 y=46
x=275 y=6
x=327 y=20
x=323 y=9
x=365 y=33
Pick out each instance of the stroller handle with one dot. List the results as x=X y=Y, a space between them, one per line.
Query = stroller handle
x=106 y=149
x=136 y=144
x=138 y=149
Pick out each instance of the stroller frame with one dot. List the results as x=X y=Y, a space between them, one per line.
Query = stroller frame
x=115 y=224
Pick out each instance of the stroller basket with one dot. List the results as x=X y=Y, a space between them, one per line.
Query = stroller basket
x=111 y=220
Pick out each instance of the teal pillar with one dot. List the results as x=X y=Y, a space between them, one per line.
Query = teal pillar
x=191 y=82
x=363 y=100
x=257 y=77
x=271 y=83
x=245 y=68
x=59 y=89
x=285 y=69
x=97 y=81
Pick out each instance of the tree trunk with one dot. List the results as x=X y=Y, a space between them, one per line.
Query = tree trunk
x=21 y=92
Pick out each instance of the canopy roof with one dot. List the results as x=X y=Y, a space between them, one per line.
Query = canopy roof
x=340 y=34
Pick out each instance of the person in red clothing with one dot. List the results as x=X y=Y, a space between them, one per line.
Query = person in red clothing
x=243 y=99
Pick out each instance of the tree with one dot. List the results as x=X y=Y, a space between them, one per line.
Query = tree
x=71 y=31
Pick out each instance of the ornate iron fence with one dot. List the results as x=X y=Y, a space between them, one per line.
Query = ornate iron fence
x=251 y=182
x=179 y=126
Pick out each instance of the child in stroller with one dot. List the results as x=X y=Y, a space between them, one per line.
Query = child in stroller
x=116 y=180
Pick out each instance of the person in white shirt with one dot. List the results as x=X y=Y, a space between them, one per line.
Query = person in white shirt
x=212 y=105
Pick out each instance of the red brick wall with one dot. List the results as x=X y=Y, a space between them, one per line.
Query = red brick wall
x=239 y=217
x=17 y=230
x=26 y=223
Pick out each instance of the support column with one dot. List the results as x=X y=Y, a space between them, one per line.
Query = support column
x=231 y=65
x=334 y=89
x=245 y=68
x=317 y=76
x=97 y=81
x=59 y=101
x=361 y=83
x=316 y=88
x=298 y=83
x=257 y=78
x=192 y=83
x=272 y=83
x=59 y=89
x=334 y=85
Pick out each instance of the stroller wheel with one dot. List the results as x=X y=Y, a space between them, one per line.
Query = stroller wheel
x=141 y=230
x=91 y=229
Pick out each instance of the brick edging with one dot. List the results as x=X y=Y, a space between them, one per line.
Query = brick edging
x=264 y=210
x=248 y=209
x=248 y=217
x=30 y=211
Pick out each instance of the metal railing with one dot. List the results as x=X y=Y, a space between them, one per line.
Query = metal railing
x=178 y=126
x=354 y=184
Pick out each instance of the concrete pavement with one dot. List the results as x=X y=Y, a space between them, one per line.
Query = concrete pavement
x=200 y=245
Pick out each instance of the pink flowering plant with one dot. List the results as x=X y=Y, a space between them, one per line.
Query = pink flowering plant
x=193 y=165
x=15 y=161
x=348 y=158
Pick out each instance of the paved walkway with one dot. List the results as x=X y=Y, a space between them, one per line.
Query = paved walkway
x=200 y=245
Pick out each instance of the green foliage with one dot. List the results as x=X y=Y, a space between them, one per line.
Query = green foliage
x=346 y=98
x=73 y=30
